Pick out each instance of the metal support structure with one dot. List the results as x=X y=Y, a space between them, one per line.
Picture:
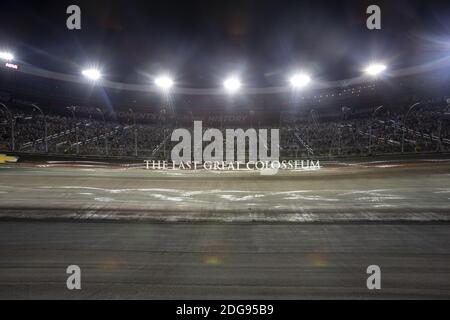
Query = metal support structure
x=45 y=126
x=404 y=124
x=441 y=122
x=370 y=128
x=77 y=142
x=105 y=132
x=12 y=120
x=163 y=113
x=135 y=133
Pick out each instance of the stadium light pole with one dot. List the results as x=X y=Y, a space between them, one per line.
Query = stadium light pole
x=165 y=83
x=341 y=128
x=441 y=121
x=314 y=117
x=163 y=114
x=12 y=119
x=45 y=125
x=73 y=109
x=404 y=123
x=135 y=133
x=105 y=130
x=370 y=128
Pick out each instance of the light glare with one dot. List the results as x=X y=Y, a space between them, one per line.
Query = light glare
x=232 y=84
x=375 y=69
x=164 y=82
x=5 y=55
x=92 y=74
x=300 y=80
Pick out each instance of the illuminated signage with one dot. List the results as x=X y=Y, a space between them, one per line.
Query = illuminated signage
x=11 y=66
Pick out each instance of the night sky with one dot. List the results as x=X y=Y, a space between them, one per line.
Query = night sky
x=201 y=42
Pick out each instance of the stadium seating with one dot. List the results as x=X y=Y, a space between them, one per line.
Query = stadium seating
x=427 y=129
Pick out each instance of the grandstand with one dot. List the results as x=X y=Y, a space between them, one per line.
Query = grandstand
x=364 y=120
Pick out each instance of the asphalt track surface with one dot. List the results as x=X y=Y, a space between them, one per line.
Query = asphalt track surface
x=378 y=191
x=223 y=260
x=139 y=234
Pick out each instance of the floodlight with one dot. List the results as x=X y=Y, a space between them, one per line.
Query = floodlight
x=375 y=69
x=164 y=82
x=92 y=74
x=5 y=55
x=232 y=84
x=299 y=80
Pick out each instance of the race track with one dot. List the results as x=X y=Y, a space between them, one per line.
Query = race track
x=223 y=261
x=140 y=234
x=393 y=191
